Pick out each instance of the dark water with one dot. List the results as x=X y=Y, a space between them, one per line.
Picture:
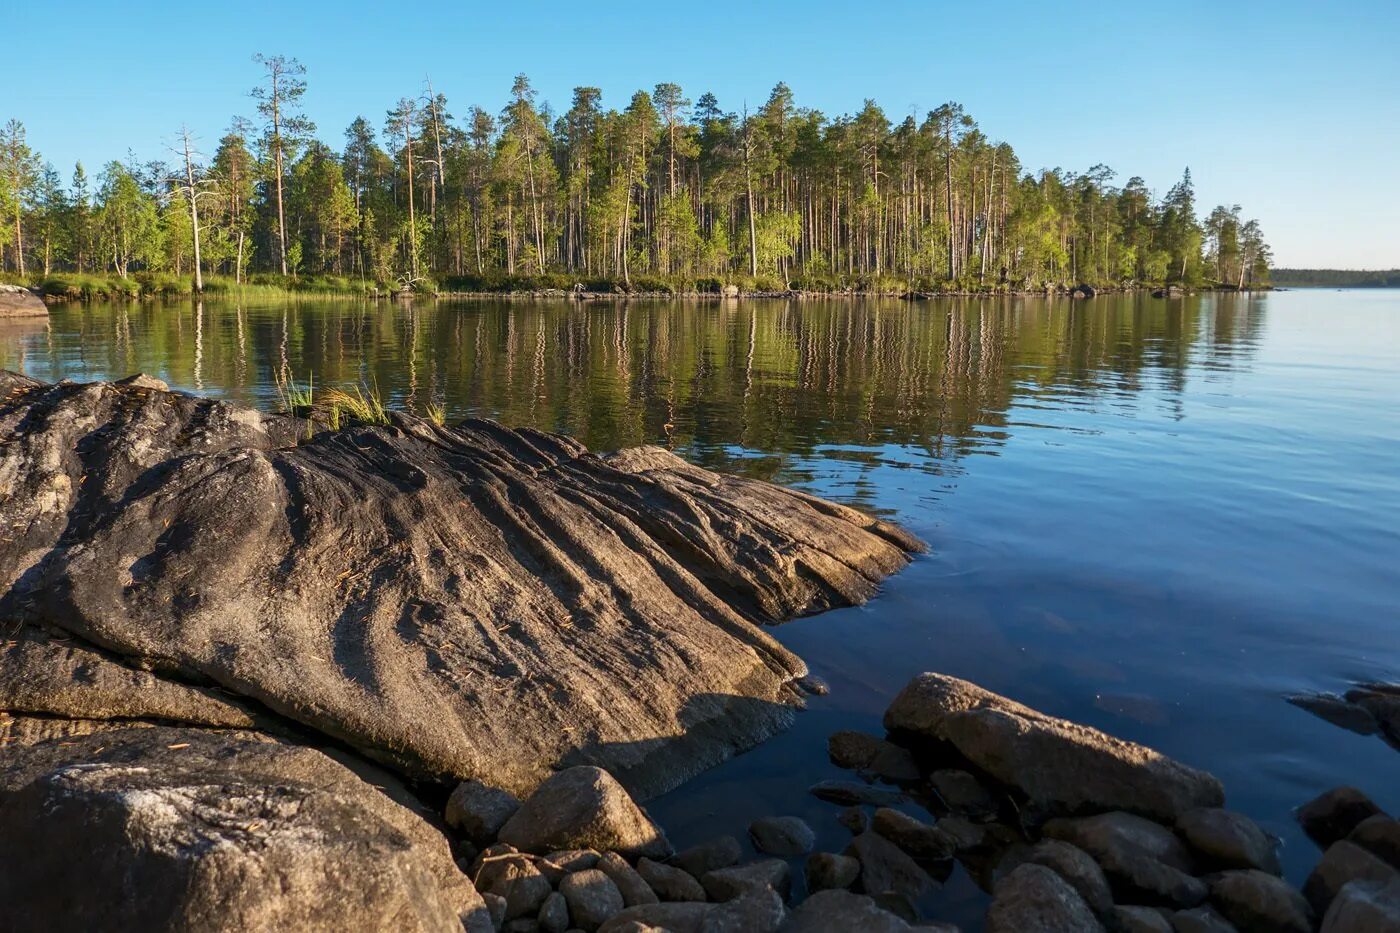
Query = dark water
x=1154 y=516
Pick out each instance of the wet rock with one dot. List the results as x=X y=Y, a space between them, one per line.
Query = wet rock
x=584 y=807
x=725 y=884
x=782 y=835
x=855 y=819
x=862 y=752
x=852 y=793
x=479 y=811
x=758 y=911
x=490 y=576
x=554 y=914
x=919 y=839
x=1379 y=835
x=1035 y=898
x=962 y=793
x=1130 y=919
x=687 y=917
x=1200 y=920
x=215 y=830
x=592 y=898
x=17 y=301
x=841 y=912
x=1146 y=860
x=670 y=882
x=827 y=870
x=1344 y=862
x=1335 y=813
x=634 y=888
x=885 y=867
x=1061 y=766
x=1228 y=840
x=1382 y=701
x=1337 y=711
x=1259 y=902
x=720 y=852
x=1072 y=864
x=1364 y=907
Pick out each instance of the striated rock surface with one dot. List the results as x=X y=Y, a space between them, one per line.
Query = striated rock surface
x=455 y=602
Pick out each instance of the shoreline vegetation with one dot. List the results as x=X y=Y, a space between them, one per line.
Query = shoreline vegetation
x=664 y=195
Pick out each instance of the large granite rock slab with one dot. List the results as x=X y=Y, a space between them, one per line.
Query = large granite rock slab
x=165 y=828
x=17 y=301
x=466 y=602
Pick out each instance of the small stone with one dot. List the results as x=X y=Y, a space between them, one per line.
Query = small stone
x=633 y=886
x=1228 y=840
x=1334 y=814
x=556 y=865
x=827 y=871
x=1201 y=920
x=554 y=914
x=758 y=911
x=592 y=898
x=1035 y=898
x=782 y=835
x=526 y=892
x=1379 y=835
x=717 y=853
x=849 y=793
x=855 y=819
x=584 y=808
x=669 y=882
x=1343 y=862
x=919 y=839
x=963 y=794
x=1072 y=864
x=1139 y=920
x=674 y=918
x=725 y=884
x=843 y=912
x=479 y=811
x=1364 y=907
x=1258 y=902
x=814 y=685
x=496 y=907
x=885 y=867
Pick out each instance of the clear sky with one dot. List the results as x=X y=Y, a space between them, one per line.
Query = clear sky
x=1290 y=109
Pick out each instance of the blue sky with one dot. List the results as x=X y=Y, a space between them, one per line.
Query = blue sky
x=1290 y=109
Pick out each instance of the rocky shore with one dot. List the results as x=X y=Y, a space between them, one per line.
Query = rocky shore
x=259 y=674
x=18 y=302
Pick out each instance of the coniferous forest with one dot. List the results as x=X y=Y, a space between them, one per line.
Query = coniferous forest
x=667 y=194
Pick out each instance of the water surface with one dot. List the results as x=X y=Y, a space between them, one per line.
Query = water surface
x=1157 y=517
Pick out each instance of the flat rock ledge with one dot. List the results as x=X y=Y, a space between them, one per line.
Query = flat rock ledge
x=17 y=301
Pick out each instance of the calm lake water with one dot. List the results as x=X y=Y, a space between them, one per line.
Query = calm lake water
x=1158 y=517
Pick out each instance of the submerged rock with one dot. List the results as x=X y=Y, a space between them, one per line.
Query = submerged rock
x=827 y=870
x=1061 y=766
x=471 y=602
x=782 y=835
x=720 y=852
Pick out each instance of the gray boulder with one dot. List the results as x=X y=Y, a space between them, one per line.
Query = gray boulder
x=720 y=852
x=17 y=301
x=554 y=914
x=884 y=867
x=782 y=835
x=1344 y=862
x=1072 y=864
x=1364 y=907
x=1259 y=902
x=1035 y=898
x=634 y=888
x=1134 y=919
x=843 y=912
x=592 y=898
x=1333 y=814
x=584 y=807
x=758 y=911
x=725 y=884
x=479 y=811
x=1379 y=835
x=1200 y=920
x=919 y=839
x=827 y=870
x=669 y=882
x=685 y=917
x=1226 y=839
x=1143 y=859
x=1061 y=766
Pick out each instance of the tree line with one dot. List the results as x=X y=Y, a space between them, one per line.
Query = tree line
x=1337 y=278
x=665 y=192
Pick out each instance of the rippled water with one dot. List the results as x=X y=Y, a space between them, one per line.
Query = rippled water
x=1158 y=517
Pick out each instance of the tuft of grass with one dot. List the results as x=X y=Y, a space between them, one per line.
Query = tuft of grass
x=292 y=395
x=358 y=403
x=437 y=413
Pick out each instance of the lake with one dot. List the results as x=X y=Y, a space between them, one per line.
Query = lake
x=1155 y=516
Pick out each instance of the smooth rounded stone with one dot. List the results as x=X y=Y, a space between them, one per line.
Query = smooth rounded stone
x=633 y=886
x=885 y=867
x=592 y=898
x=556 y=865
x=1132 y=919
x=1062 y=767
x=827 y=871
x=496 y=908
x=1071 y=863
x=862 y=752
x=1364 y=907
x=1035 y=898
x=495 y=871
x=854 y=793
x=679 y=917
x=758 y=911
x=554 y=914
x=526 y=892
x=919 y=839
x=962 y=793
x=669 y=882
x=966 y=835
x=1343 y=862
x=720 y=852
x=521 y=925
x=1335 y=813
x=725 y=884
x=782 y=835
x=1145 y=859
x=1337 y=711
x=855 y=819
x=1379 y=835
x=584 y=808
x=1259 y=902
x=843 y=912
x=1201 y=920
x=17 y=301
x=1228 y=839
x=479 y=811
